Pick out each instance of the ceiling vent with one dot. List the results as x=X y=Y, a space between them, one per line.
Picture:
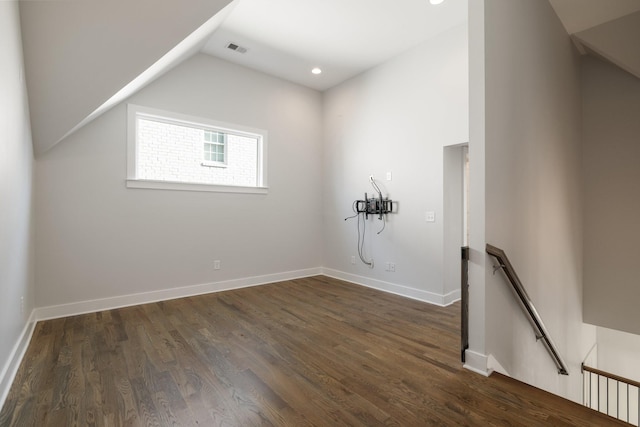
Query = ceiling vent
x=237 y=48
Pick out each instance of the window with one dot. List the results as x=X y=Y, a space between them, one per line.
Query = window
x=215 y=147
x=177 y=152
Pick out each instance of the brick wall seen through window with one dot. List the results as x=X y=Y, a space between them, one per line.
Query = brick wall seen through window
x=167 y=151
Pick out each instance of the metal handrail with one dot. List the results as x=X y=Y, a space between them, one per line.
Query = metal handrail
x=609 y=375
x=525 y=302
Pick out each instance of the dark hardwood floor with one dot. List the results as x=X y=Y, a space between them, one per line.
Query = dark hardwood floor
x=307 y=352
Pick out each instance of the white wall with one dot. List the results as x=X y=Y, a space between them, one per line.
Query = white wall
x=476 y=357
x=617 y=353
x=533 y=190
x=16 y=159
x=395 y=118
x=98 y=239
x=611 y=129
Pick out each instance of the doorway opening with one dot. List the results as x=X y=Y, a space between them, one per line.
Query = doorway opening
x=456 y=231
x=455 y=214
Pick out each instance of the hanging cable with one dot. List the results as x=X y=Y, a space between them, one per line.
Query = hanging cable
x=355 y=210
x=361 y=241
x=384 y=224
x=378 y=206
x=375 y=186
x=361 y=235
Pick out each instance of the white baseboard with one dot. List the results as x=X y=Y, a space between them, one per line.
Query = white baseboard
x=10 y=369
x=405 y=291
x=452 y=297
x=92 y=306
x=82 y=307
x=477 y=363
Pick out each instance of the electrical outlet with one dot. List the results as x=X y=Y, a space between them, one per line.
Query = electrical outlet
x=389 y=176
x=216 y=264
x=353 y=259
x=392 y=267
x=430 y=216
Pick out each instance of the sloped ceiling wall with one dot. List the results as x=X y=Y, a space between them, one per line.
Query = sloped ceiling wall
x=79 y=53
x=580 y=15
x=616 y=41
x=608 y=29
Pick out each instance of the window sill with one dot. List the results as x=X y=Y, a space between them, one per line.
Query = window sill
x=213 y=165
x=183 y=186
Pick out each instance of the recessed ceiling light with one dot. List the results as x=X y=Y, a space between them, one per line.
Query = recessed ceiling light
x=435 y=1
x=316 y=70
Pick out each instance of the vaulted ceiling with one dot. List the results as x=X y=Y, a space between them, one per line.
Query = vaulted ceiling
x=608 y=29
x=580 y=15
x=82 y=57
x=615 y=41
x=78 y=54
x=287 y=38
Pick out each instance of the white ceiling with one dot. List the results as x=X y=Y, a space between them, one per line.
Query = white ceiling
x=579 y=15
x=287 y=38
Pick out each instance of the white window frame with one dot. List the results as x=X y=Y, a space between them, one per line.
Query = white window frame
x=214 y=163
x=136 y=111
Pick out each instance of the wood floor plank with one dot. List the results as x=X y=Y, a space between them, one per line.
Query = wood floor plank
x=309 y=352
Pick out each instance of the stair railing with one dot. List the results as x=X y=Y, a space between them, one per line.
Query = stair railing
x=611 y=394
x=527 y=306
